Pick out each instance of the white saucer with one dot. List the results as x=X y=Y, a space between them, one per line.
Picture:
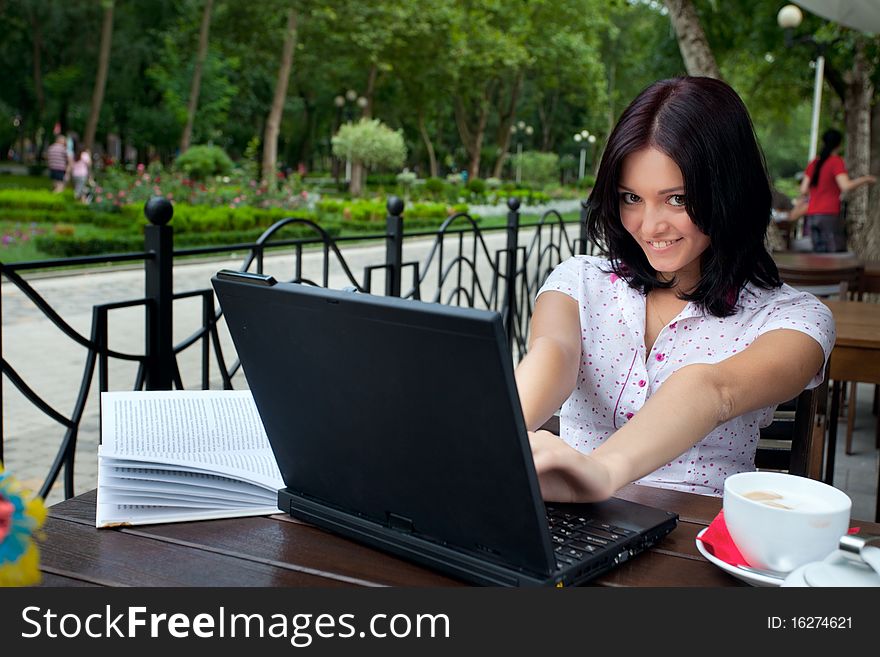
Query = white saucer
x=838 y=570
x=796 y=576
x=750 y=578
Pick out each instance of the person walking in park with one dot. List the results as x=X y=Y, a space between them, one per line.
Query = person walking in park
x=824 y=180
x=80 y=171
x=670 y=352
x=58 y=161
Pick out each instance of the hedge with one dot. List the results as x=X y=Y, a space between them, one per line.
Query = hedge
x=94 y=243
x=37 y=199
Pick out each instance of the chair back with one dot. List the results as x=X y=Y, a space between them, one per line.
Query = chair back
x=838 y=282
x=794 y=442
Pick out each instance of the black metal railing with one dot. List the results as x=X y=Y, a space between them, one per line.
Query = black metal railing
x=460 y=268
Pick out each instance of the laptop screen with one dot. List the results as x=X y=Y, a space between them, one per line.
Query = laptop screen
x=401 y=412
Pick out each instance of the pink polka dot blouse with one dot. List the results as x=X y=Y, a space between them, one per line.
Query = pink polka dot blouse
x=616 y=376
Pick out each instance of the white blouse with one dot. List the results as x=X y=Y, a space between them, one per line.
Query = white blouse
x=616 y=378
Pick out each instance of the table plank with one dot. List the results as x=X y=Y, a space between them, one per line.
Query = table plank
x=113 y=557
x=274 y=540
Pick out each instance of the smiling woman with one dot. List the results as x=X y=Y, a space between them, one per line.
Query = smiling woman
x=670 y=353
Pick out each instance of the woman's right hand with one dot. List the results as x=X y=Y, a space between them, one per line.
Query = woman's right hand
x=566 y=475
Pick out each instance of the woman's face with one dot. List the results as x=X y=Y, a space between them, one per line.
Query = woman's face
x=652 y=194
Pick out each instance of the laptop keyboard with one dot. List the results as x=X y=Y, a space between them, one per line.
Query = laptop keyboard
x=576 y=538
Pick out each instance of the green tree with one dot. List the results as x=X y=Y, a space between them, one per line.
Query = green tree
x=369 y=143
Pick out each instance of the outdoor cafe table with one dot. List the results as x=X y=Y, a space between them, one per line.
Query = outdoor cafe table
x=811 y=262
x=856 y=357
x=278 y=551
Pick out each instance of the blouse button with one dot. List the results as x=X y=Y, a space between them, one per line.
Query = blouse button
x=629 y=416
x=642 y=383
x=660 y=358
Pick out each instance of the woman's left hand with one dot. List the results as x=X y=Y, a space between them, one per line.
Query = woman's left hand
x=566 y=475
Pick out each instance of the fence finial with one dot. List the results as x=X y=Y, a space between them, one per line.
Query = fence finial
x=513 y=203
x=158 y=210
x=394 y=206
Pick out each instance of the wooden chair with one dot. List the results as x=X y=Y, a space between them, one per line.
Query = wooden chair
x=825 y=282
x=794 y=442
x=845 y=283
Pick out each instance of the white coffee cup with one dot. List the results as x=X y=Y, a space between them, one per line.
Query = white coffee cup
x=781 y=521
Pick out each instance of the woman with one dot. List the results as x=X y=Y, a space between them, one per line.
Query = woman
x=668 y=356
x=824 y=180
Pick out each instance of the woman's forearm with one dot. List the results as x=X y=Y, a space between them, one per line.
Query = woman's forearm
x=544 y=379
x=686 y=408
x=850 y=184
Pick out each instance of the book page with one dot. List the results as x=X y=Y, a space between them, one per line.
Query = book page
x=213 y=430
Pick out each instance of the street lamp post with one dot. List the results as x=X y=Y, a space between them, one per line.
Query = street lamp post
x=788 y=18
x=518 y=129
x=583 y=138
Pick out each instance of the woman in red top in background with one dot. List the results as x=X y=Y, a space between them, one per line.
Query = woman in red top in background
x=824 y=180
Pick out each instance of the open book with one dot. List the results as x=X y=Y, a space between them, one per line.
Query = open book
x=183 y=455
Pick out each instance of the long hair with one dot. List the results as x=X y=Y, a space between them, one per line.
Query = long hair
x=831 y=139
x=704 y=127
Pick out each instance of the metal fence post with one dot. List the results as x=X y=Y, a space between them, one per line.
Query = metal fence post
x=513 y=204
x=159 y=289
x=393 y=246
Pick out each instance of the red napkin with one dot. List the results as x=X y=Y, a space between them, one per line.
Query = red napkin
x=717 y=541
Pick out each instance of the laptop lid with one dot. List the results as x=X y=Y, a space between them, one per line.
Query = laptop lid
x=399 y=412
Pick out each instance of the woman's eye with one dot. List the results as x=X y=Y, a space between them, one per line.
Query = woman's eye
x=677 y=200
x=629 y=198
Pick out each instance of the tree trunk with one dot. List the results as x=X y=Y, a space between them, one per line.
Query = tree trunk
x=692 y=43
x=548 y=117
x=432 y=157
x=859 y=92
x=37 y=38
x=504 y=123
x=472 y=138
x=356 y=184
x=273 y=122
x=358 y=173
x=371 y=90
x=196 y=85
x=101 y=76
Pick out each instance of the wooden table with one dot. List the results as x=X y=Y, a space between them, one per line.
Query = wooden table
x=827 y=261
x=279 y=551
x=856 y=357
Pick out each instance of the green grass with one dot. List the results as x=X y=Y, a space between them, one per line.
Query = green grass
x=9 y=181
x=16 y=241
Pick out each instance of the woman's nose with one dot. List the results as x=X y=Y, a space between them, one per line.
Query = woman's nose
x=654 y=220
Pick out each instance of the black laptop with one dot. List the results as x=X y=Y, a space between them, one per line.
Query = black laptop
x=397 y=423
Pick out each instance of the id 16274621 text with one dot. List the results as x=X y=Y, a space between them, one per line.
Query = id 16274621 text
x=809 y=623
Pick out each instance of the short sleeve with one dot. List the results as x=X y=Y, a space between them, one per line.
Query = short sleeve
x=801 y=311
x=810 y=167
x=566 y=278
x=837 y=166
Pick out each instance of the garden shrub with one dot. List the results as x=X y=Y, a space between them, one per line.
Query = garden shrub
x=201 y=162
x=538 y=167
x=477 y=186
x=434 y=186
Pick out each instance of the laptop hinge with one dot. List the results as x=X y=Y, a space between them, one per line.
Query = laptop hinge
x=398 y=522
